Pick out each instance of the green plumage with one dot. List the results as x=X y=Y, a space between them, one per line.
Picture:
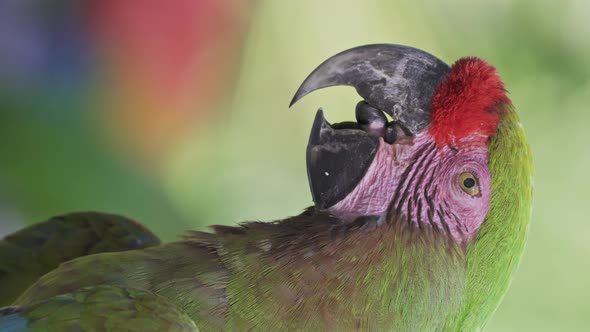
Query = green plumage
x=403 y=278
x=31 y=252
x=310 y=272
x=316 y=274
x=495 y=253
x=105 y=308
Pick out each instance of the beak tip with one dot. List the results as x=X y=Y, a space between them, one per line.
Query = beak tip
x=298 y=95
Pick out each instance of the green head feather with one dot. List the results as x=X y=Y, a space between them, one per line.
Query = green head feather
x=495 y=253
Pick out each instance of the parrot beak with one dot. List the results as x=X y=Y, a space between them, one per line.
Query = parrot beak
x=337 y=160
x=393 y=79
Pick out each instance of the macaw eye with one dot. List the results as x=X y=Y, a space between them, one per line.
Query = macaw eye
x=469 y=183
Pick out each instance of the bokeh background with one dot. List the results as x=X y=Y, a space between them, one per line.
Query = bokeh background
x=175 y=113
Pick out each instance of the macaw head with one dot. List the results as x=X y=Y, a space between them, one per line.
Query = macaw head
x=452 y=158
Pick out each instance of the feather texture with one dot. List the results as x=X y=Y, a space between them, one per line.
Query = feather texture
x=35 y=250
x=100 y=308
x=309 y=272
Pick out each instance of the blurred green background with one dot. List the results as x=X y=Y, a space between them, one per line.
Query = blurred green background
x=175 y=113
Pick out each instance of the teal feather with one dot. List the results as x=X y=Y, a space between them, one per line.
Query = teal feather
x=11 y=320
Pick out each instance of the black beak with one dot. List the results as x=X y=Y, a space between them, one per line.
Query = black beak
x=394 y=79
x=337 y=159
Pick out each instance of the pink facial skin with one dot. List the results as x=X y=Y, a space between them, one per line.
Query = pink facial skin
x=416 y=180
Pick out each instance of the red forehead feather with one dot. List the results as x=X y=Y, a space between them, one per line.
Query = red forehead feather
x=467 y=101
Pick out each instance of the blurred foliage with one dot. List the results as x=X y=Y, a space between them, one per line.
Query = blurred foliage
x=63 y=150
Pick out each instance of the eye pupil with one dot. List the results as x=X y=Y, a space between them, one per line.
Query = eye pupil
x=469 y=183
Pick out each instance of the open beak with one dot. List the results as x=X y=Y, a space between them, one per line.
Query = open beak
x=393 y=79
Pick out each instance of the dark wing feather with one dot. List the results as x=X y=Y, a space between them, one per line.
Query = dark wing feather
x=31 y=252
x=98 y=308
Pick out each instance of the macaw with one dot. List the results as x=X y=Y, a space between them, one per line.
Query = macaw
x=418 y=224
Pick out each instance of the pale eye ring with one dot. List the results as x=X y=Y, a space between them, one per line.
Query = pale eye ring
x=469 y=184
